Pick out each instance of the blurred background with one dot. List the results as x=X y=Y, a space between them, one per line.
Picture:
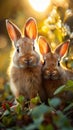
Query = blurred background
x=54 y=19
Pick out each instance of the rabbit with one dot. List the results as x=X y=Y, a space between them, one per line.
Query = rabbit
x=53 y=73
x=25 y=68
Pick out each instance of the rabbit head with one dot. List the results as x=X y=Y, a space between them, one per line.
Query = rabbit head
x=25 y=54
x=52 y=69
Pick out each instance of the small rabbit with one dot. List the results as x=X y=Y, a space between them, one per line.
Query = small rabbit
x=53 y=73
x=25 y=69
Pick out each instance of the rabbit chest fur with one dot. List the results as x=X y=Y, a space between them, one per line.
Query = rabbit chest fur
x=26 y=81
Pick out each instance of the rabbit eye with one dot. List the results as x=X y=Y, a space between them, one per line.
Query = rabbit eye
x=18 y=50
x=44 y=63
x=58 y=63
x=33 y=48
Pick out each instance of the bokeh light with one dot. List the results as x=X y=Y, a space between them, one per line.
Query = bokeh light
x=39 y=6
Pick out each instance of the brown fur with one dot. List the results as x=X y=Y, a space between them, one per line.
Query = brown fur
x=27 y=81
x=53 y=73
x=25 y=69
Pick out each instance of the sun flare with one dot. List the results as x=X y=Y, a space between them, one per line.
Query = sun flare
x=39 y=5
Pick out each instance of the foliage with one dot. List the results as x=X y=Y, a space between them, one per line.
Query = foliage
x=67 y=86
x=42 y=117
x=53 y=28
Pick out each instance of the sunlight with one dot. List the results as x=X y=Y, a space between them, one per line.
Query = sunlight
x=39 y=6
x=38 y=51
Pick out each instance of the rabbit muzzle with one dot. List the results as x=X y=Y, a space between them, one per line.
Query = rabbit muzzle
x=52 y=75
x=28 y=61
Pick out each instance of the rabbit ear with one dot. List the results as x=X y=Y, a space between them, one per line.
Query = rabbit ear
x=30 y=30
x=62 y=48
x=43 y=45
x=13 y=31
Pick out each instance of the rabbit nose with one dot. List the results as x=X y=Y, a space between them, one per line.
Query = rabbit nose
x=54 y=75
x=54 y=72
x=48 y=73
x=28 y=60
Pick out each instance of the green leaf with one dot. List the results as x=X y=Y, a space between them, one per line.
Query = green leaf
x=6 y=113
x=69 y=83
x=19 y=109
x=36 y=124
x=62 y=121
x=8 y=120
x=7 y=106
x=35 y=100
x=31 y=127
x=39 y=111
x=21 y=99
x=54 y=102
x=46 y=127
x=68 y=107
x=9 y=97
x=38 y=121
x=60 y=89
x=4 y=120
x=49 y=127
x=67 y=86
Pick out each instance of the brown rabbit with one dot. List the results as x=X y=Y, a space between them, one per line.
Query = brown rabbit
x=25 y=69
x=53 y=73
